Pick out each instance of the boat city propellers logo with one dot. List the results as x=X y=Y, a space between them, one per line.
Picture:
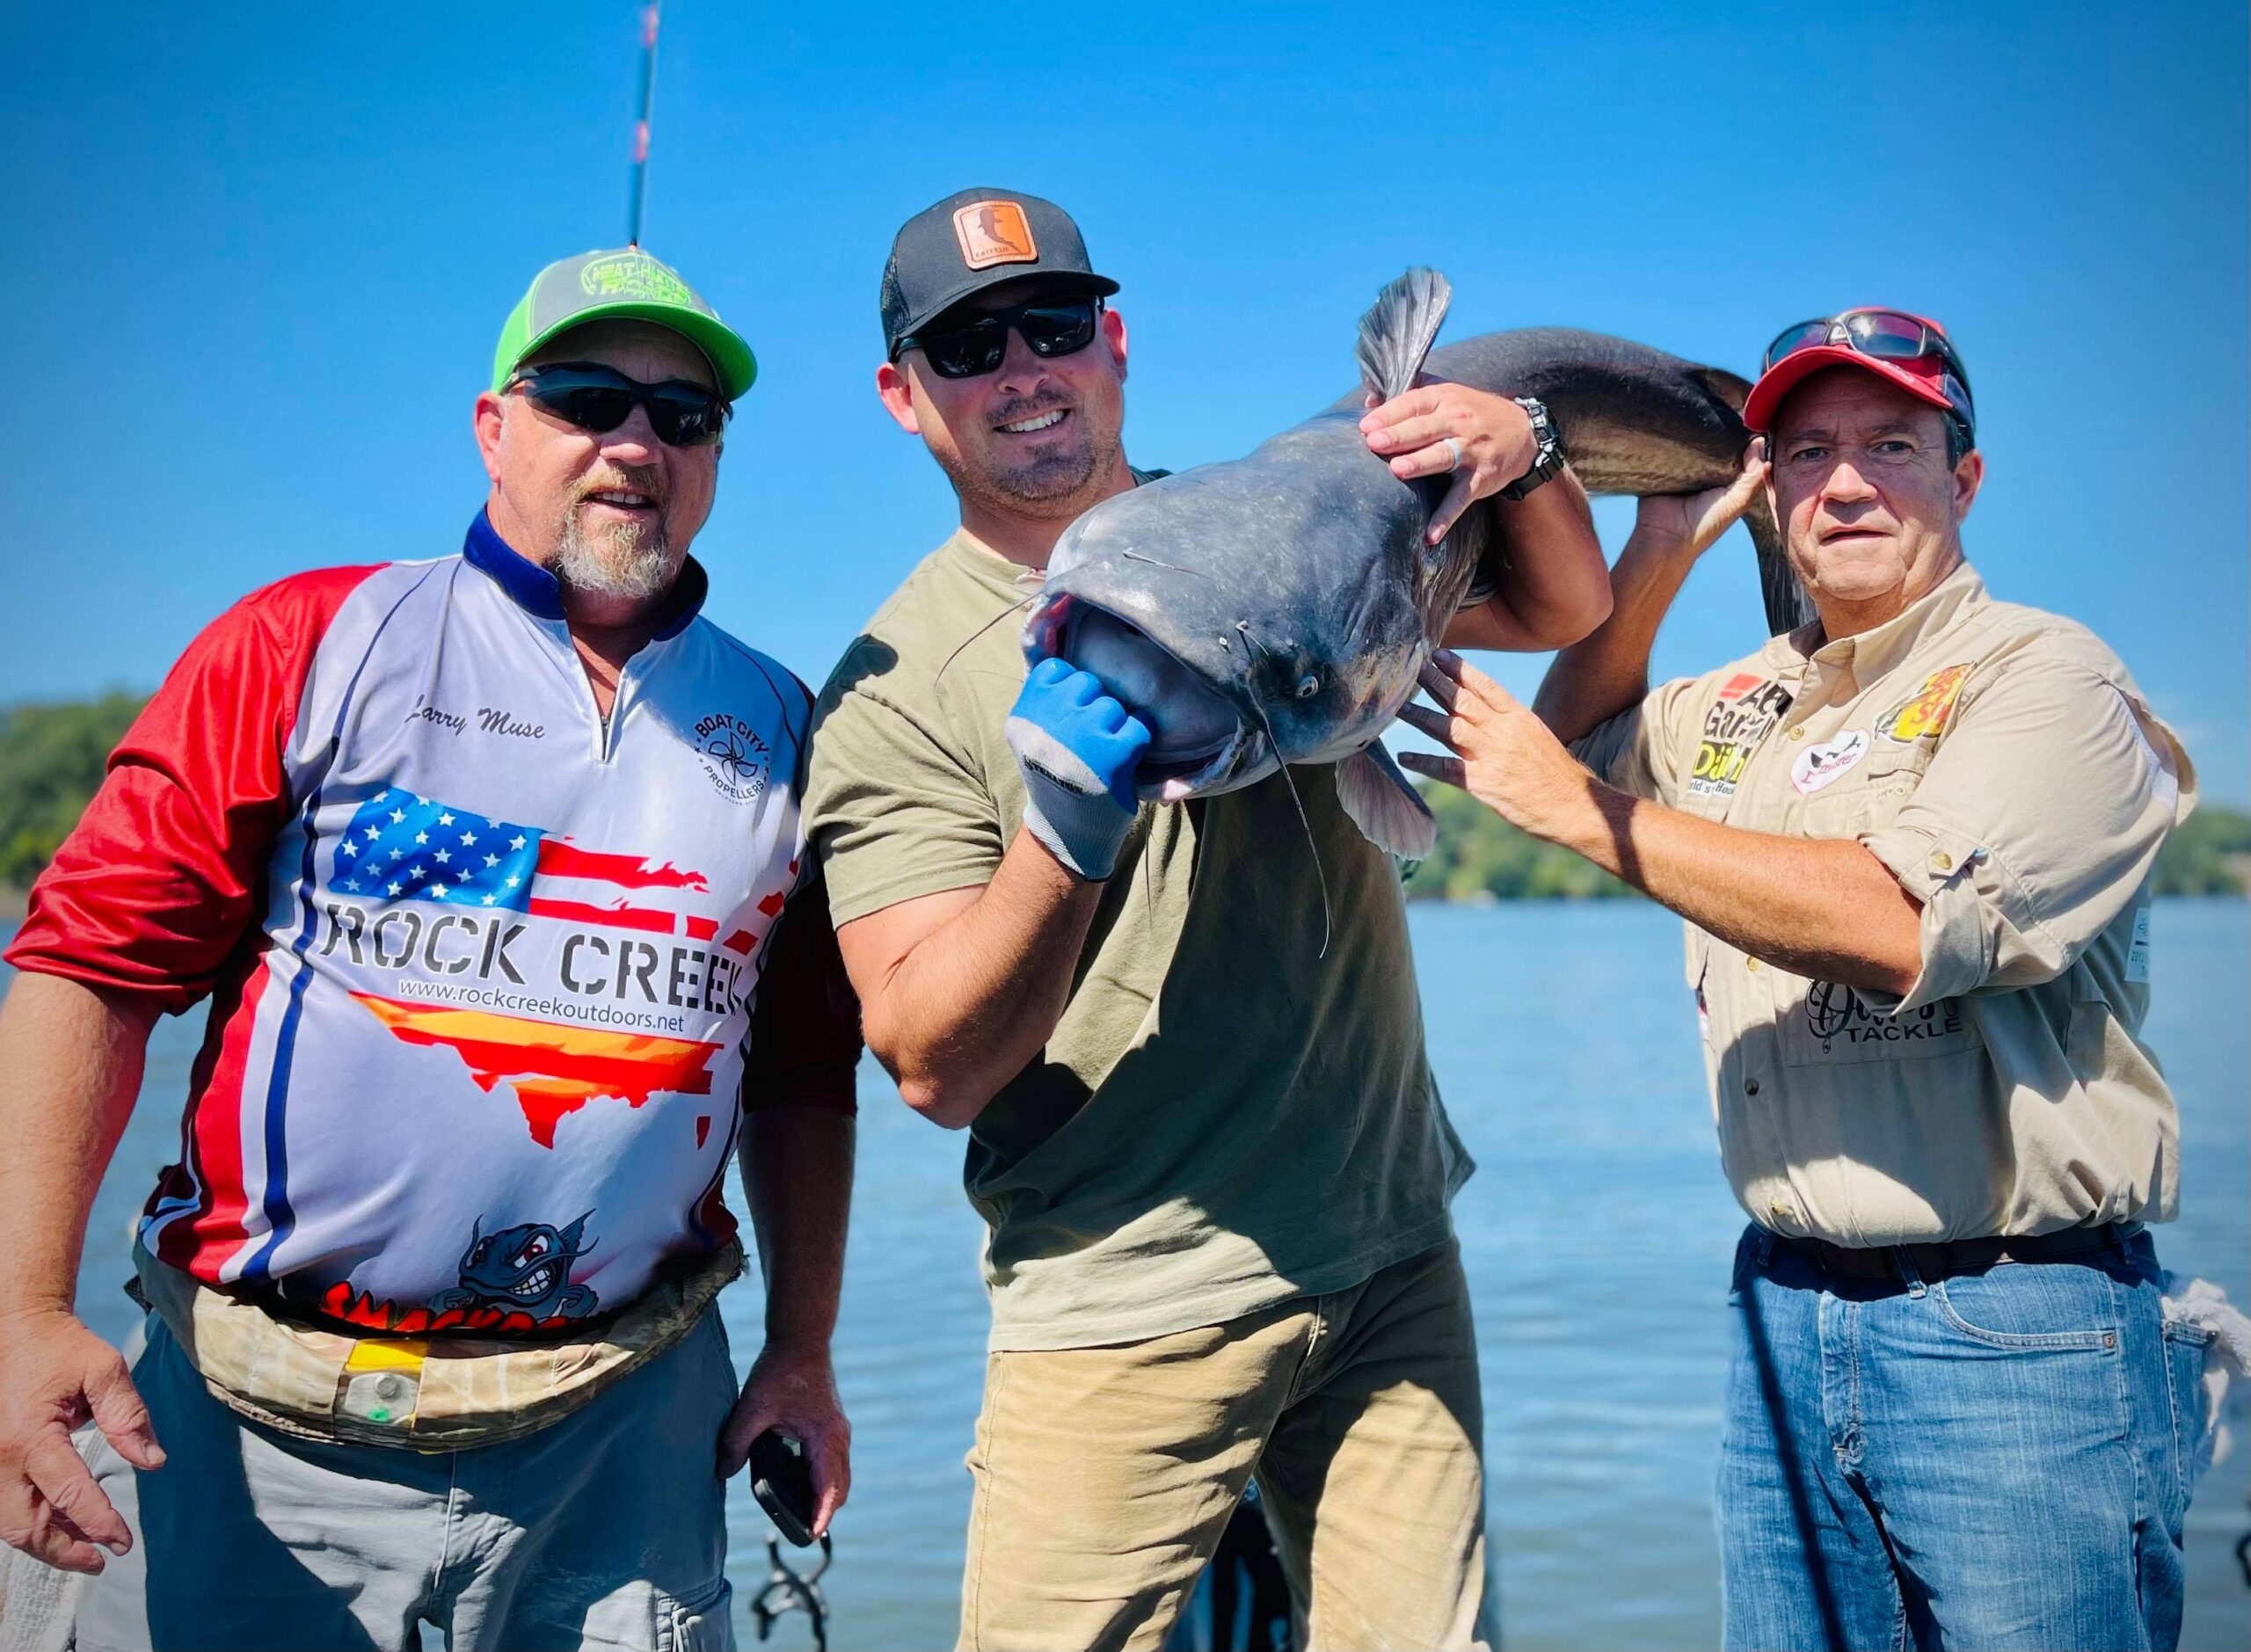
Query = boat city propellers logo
x=733 y=755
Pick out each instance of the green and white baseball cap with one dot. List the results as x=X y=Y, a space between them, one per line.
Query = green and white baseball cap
x=625 y=284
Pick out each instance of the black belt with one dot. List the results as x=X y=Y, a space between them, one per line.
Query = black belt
x=1943 y=1261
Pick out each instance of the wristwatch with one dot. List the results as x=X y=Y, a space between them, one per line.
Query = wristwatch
x=1550 y=459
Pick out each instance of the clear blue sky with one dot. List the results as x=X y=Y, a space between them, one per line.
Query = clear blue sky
x=258 y=256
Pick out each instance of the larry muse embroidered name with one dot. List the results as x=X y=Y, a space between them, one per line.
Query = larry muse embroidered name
x=493 y=720
x=490 y=719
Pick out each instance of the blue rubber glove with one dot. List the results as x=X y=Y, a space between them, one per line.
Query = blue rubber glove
x=1077 y=748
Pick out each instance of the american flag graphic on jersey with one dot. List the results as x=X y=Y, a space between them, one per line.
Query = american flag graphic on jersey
x=404 y=847
x=400 y=847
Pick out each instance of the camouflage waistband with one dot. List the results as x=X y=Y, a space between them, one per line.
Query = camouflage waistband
x=435 y=1394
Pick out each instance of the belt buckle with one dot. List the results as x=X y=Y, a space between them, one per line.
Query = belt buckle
x=1854 y=1262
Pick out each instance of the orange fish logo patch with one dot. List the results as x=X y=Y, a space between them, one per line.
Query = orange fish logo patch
x=1922 y=717
x=994 y=232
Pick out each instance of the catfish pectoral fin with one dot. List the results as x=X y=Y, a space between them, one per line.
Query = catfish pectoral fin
x=1385 y=805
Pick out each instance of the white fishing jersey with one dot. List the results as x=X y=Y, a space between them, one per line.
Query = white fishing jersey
x=484 y=964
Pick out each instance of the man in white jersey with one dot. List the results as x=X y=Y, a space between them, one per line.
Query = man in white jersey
x=492 y=868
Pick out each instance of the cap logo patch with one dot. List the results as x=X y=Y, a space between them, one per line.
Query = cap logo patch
x=994 y=232
x=629 y=275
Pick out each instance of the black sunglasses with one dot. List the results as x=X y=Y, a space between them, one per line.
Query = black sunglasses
x=599 y=399
x=1051 y=327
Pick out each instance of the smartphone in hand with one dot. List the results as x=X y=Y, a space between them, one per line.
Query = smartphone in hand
x=783 y=1484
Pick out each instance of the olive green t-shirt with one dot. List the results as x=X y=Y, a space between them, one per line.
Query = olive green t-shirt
x=1228 y=1113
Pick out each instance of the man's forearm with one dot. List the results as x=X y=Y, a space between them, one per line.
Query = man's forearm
x=1554 y=580
x=797 y=1175
x=1824 y=909
x=1608 y=672
x=1553 y=586
x=975 y=1001
x=70 y=1061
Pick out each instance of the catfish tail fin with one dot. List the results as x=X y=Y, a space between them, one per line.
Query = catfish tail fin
x=1399 y=329
x=1787 y=607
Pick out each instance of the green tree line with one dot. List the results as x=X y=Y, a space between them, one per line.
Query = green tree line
x=51 y=758
x=1480 y=856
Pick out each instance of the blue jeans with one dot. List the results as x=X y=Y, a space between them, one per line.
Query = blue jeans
x=1998 y=1460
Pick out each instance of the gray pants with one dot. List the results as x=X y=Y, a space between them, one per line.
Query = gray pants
x=606 y=1529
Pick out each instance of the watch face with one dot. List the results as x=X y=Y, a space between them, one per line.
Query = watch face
x=1543 y=425
x=1548 y=460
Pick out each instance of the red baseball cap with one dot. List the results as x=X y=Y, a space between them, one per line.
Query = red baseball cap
x=1909 y=351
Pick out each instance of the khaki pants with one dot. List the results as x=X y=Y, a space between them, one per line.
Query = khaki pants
x=1103 y=1476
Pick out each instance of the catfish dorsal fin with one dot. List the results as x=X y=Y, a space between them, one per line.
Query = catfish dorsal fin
x=1399 y=329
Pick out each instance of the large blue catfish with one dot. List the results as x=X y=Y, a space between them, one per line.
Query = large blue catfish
x=1276 y=609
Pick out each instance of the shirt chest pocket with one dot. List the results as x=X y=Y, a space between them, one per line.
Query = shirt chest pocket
x=1866 y=796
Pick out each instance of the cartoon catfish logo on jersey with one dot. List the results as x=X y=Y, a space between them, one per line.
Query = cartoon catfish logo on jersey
x=525 y=1269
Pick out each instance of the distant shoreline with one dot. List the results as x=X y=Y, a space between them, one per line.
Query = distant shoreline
x=15 y=902
x=52 y=757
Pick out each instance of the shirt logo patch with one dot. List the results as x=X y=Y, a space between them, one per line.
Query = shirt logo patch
x=735 y=760
x=1747 y=708
x=994 y=232
x=1842 y=1024
x=1742 y=715
x=2137 y=954
x=1923 y=714
x=1719 y=766
x=1817 y=766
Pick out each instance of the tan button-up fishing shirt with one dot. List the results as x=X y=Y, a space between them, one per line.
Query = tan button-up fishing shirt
x=2000 y=762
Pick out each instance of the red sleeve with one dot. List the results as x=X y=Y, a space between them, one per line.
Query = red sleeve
x=165 y=870
x=804 y=1029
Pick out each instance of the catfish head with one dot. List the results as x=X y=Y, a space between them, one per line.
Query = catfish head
x=1252 y=614
x=1273 y=609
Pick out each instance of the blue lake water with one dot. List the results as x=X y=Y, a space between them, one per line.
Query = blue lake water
x=1597 y=1233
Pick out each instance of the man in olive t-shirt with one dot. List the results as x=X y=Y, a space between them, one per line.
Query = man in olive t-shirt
x=1211 y=1159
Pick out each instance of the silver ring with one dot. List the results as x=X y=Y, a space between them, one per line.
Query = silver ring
x=1454 y=443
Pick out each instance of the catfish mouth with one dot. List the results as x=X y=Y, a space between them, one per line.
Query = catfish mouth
x=538 y=1282
x=1199 y=742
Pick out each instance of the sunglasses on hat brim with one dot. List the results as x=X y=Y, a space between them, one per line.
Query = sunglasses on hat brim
x=598 y=399
x=970 y=346
x=1882 y=335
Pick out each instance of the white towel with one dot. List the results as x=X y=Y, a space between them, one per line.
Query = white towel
x=39 y=1605
x=2201 y=1303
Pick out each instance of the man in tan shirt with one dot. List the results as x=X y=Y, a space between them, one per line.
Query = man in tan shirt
x=1913 y=841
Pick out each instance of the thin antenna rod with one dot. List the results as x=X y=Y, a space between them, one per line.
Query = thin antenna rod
x=641 y=126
